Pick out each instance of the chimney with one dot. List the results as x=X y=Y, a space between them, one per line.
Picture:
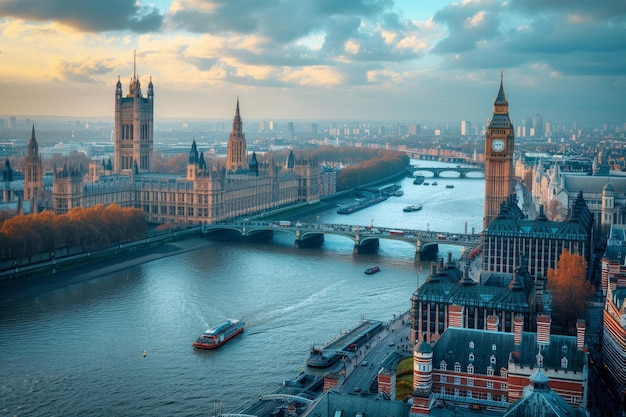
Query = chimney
x=455 y=316
x=493 y=321
x=580 y=334
x=543 y=329
x=518 y=326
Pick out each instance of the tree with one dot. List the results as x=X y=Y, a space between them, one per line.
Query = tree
x=555 y=211
x=569 y=288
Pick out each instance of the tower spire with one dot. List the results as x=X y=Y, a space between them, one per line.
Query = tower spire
x=134 y=64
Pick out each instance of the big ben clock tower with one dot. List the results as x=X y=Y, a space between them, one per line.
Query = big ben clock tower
x=499 y=171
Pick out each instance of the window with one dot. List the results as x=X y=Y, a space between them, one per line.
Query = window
x=457 y=380
x=457 y=367
x=539 y=360
x=470 y=369
x=443 y=365
x=564 y=363
x=469 y=394
x=493 y=347
x=492 y=359
x=564 y=349
x=489 y=371
x=489 y=384
x=470 y=382
x=504 y=373
x=471 y=357
x=504 y=386
x=443 y=379
x=471 y=344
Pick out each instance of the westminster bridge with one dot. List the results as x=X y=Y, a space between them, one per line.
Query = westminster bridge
x=478 y=172
x=365 y=238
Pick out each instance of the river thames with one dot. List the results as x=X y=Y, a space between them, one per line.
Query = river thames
x=78 y=350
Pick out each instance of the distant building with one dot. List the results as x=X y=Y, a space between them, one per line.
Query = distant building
x=538 y=126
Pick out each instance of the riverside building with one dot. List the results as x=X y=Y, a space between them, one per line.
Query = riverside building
x=208 y=192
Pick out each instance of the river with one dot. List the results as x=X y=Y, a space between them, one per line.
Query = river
x=78 y=350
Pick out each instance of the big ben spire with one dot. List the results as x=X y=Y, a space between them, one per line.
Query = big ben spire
x=499 y=146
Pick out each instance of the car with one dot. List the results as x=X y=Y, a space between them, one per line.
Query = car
x=391 y=344
x=357 y=389
x=364 y=363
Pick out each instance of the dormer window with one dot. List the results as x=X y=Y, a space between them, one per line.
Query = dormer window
x=471 y=357
x=493 y=347
x=539 y=360
x=443 y=365
x=457 y=367
x=564 y=363
x=489 y=371
x=470 y=369
x=564 y=349
x=492 y=359
x=471 y=344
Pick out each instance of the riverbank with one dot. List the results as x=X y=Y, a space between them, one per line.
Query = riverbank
x=22 y=288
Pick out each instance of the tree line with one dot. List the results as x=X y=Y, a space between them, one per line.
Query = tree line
x=81 y=229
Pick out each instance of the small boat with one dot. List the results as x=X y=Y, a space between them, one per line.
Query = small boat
x=434 y=182
x=449 y=186
x=372 y=270
x=418 y=180
x=220 y=334
x=399 y=193
x=413 y=207
x=426 y=183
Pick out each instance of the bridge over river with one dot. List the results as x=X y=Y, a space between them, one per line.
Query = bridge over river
x=475 y=172
x=365 y=238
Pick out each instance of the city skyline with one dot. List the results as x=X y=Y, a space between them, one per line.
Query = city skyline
x=311 y=59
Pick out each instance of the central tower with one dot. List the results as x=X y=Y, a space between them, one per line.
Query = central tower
x=133 y=131
x=237 y=153
x=499 y=170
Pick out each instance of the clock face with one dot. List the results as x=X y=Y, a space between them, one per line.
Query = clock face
x=497 y=145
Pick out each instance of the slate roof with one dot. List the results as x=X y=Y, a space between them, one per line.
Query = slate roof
x=592 y=184
x=331 y=401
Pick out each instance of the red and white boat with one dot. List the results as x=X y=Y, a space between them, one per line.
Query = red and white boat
x=220 y=334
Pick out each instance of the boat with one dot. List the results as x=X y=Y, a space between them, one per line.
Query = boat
x=361 y=205
x=399 y=193
x=372 y=270
x=418 y=180
x=426 y=183
x=434 y=182
x=449 y=186
x=413 y=207
x=216 y=336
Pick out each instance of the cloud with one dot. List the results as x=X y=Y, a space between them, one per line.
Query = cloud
x=87 y=16
x=82 y=71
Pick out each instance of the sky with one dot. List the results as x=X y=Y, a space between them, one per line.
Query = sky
x=402 y=60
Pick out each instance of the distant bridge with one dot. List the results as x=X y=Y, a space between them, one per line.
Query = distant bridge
x=436 y=171
x=365 y=238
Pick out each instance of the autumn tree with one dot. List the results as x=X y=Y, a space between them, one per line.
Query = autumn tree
x=569 y=288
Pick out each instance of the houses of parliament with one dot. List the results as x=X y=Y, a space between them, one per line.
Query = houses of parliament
x=210 y=191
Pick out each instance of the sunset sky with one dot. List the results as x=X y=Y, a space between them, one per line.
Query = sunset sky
x=404 y=60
